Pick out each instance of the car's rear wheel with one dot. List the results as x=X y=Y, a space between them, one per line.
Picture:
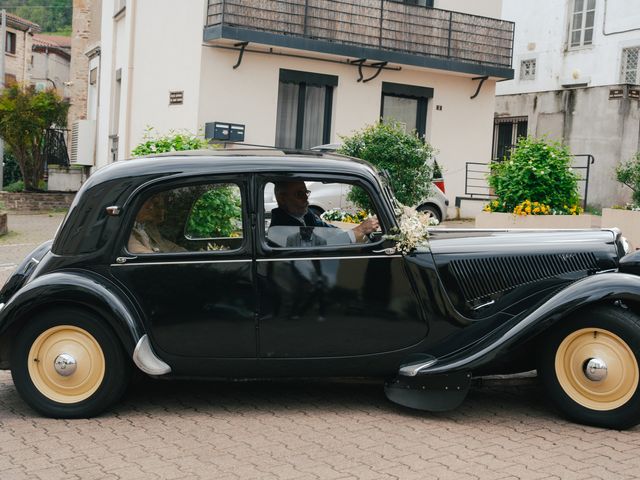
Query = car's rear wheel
x=590 y=365
x=433 y=210
x=67 y=363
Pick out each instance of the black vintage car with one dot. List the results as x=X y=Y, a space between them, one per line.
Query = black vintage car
x=172 y=266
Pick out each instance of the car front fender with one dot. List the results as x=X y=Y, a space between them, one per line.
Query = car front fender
x=606 y=287
x=80 y=288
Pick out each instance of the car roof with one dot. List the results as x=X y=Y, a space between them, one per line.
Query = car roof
x=230 y=161
x=85 y=228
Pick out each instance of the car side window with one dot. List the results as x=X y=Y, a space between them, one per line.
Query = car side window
x=304 y=214
x=189 y=219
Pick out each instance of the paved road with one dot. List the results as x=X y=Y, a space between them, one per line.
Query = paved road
x=300 y=429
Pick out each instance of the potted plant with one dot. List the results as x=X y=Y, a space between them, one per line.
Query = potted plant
x=535 y=188
x=627 y=218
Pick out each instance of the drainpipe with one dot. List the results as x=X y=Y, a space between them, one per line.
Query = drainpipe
x=24 y=60
x=132 y=41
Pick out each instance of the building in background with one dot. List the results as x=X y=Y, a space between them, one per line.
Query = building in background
x=295 y=73
x=50 y=63
x=577 y=79
x=18 y=48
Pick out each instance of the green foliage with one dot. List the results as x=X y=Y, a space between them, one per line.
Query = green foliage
x=15 y=187
x=538 y=171
x=25 y=115
x=628 y=173
x=53 y=16
x=216 y=214
x=172 y=142
x=11 y=171
x=404 y=156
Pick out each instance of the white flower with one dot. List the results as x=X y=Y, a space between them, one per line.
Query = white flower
x=413 y=230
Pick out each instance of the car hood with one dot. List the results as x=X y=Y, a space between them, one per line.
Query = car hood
x=486 y=272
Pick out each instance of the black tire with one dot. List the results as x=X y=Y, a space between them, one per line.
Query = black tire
x=608 y=333
x=101 y=375
x=433 y=210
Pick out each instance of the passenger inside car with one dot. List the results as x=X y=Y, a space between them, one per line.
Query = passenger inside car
x=146 y=236
x=291 y=220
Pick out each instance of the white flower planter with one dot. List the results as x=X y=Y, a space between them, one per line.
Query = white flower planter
x=509 y=220
x=627 y=221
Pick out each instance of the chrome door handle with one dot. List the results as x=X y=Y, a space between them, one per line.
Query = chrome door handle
x=124 y=259
x=387 y=251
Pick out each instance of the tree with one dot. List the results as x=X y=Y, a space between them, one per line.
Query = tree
x=53 y=16
x=25 y=116
x=403 y=155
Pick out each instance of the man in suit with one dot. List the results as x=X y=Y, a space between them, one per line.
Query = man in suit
x=293 y=211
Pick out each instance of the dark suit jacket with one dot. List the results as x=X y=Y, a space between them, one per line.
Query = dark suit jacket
x=281 y=218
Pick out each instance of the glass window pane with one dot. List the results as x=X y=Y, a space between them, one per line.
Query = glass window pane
x=591 y=5
x=402 y=110
x=194 y=218
x=575 y=38
x=590 y=19
x=577 y=21
x=588 y=36
x=287 y=116
x=312 y=133
x=578 y=5
x=312 y=213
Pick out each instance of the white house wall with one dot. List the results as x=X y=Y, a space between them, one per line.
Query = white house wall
x=542 y=30
x=485 y=8
x=461 y=131
x=161 y=60
x=167 y=58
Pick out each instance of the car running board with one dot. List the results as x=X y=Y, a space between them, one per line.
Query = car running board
x=435 y=393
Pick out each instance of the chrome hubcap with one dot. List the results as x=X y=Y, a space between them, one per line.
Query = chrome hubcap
x=595 y=369
x=65 y=364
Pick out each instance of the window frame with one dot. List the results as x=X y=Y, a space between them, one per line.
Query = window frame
x=422 y=94
x=147 y=191
x=623 y=65
x=10 y=43
x=583 y=24
x=303 y=79
x=530 y=76
x=264 y=178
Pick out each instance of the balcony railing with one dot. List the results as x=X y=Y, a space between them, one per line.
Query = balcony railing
x=385 y=25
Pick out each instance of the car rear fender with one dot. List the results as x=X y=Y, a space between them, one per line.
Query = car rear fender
x=605 y=287
x=79 y=288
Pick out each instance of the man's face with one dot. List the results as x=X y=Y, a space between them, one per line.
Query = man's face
x=294 y=198
x=152 y=211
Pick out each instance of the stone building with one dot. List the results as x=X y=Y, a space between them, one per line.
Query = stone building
x=18 y=47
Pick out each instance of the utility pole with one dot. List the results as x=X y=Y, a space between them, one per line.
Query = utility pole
x=3 y=39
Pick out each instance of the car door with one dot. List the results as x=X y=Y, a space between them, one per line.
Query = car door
x=194 y=286
x=331 y=298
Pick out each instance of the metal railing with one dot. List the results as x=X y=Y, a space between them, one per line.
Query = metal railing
x=383 y=24
x=476 y=186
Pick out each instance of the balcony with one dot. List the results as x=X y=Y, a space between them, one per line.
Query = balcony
x=378 y=30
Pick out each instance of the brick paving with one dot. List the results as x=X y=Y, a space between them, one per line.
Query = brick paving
x=302 y=430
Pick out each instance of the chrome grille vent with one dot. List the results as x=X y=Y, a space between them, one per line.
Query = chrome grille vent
x=481 y=277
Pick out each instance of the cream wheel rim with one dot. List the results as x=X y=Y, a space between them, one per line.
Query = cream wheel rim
x=66 y=364
x=613 y=385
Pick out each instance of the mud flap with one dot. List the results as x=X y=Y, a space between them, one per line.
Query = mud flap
x=435 y=393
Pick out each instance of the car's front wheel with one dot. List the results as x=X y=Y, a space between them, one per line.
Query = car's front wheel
x=68 y=363
x=590 y=366
x=431 y=209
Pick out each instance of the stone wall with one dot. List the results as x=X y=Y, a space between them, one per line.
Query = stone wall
x=85 y=33
x=35 y=202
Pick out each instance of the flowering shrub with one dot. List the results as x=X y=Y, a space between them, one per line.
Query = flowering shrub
x=534 y=208
x=337 y=215
x=413 y=232
x=538 y=172
x=629 y=174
